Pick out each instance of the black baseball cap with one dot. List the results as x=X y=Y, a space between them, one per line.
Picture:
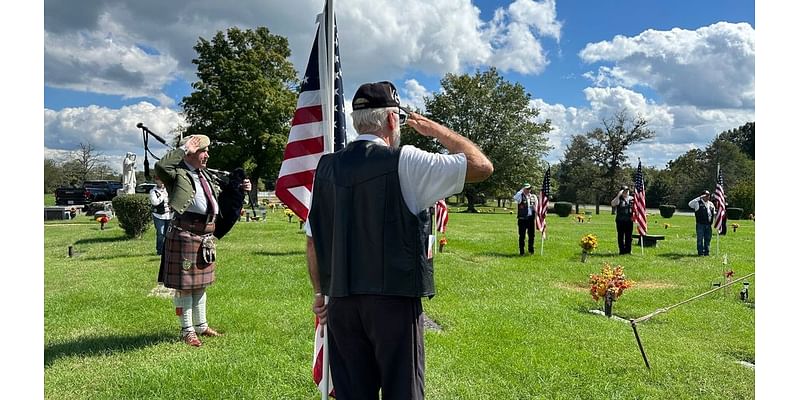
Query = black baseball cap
x=376 y=95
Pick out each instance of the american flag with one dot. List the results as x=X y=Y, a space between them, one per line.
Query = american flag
x=307 y=137
x=541 y=208
x=719 y=202
x=319 y=342
x=639 y=203
x=441 y=216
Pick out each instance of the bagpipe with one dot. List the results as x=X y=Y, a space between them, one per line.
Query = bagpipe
x=231 y=196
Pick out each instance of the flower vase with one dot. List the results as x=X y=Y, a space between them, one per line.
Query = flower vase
x=441 y=247
x=609 y=301
x=584 y=256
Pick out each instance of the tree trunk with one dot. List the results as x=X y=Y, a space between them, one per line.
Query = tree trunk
x=597 y=203
x=471 y=200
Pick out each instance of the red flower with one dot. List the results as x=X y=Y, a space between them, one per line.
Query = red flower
x=729 y=274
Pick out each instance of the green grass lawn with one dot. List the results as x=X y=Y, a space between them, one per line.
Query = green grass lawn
x=513 y=327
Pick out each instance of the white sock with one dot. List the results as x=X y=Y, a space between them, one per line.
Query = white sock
x=183 y=309
x=199 y=310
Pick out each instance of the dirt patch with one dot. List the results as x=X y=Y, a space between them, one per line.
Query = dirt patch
x=430 y=324
x=638 y=285
x=162 y=292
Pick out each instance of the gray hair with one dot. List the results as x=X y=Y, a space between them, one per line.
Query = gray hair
x=371 y=119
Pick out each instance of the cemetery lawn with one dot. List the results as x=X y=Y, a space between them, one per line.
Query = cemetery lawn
x=513 y=327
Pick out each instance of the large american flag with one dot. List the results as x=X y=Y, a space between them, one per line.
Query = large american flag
x=541 y=208
x=639 y=203
x=307 y=137
x=719 y=202
x=441 y=216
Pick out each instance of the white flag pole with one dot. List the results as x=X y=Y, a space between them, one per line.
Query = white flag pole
x=325 y=383
x=328 y=88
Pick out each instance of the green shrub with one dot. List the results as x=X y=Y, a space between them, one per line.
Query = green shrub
x=666 y=210
x=743 y=196
x=735 y=213
x=562 y=208
x=133 y=213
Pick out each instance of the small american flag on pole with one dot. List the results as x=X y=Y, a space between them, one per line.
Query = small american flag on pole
x=719 y=202
x=441 y=216
x=541 y=208
x=309 y=138
x=639 y=204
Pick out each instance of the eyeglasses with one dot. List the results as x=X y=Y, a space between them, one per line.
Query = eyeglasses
x=403 y=117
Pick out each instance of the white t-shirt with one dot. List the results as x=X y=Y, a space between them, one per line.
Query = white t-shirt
x=425 y=177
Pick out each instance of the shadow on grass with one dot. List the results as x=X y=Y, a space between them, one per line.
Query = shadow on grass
x=102 y=240
x=96 y=346
x=505 y=255
x=677 y=256
x=281 y=253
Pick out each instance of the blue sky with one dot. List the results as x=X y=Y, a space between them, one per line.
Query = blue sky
x=688 y=67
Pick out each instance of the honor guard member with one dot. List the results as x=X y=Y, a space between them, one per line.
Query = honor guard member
x=371 y=249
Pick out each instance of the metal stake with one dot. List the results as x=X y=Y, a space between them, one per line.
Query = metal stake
x=636 y=333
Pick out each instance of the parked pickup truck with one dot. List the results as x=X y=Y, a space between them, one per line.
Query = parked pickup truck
x=90 y=192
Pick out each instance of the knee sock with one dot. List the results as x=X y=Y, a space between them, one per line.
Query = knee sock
x=183 y=309
x=199 y=310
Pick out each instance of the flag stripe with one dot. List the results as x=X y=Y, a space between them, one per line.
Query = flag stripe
x=301 y=148
x=441 y=216
x=541 y=208
x=719 y=203
x=307 y=115
x=639 y=203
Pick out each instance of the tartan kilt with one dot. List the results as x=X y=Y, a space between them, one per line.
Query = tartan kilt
x=182 y=265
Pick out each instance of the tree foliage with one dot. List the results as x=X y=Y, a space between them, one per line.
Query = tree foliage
x=577 y=172
x=611 y=142
x=243 y=99
x=85 y=163
x=744 y=137
x=496 y=115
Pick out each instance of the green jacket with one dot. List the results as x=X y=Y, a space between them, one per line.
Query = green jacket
x=175 y=174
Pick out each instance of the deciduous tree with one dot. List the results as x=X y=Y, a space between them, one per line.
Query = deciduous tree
x=243 y=99
x=497 y=116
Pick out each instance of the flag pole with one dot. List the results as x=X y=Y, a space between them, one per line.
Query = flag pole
x=325 y=361
x=329 y=143
x=718 y=216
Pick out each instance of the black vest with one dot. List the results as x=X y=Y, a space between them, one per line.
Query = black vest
x=701 y=215
x=624 y=213
x=366 y=239
x=522 y=207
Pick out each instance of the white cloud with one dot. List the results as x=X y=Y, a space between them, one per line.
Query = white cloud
x=712 y=67
x=112 y=132
x=106 y=61
x=511 y=31
x=415 y=94
x=677 y=128
x=429 y=36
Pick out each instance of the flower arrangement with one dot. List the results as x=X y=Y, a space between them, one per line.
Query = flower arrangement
x=103 y=220
x=289 y=214
x=442 y=243
x=609 y=285
x=735 y=226
x=667 y=226
x=588 y=244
